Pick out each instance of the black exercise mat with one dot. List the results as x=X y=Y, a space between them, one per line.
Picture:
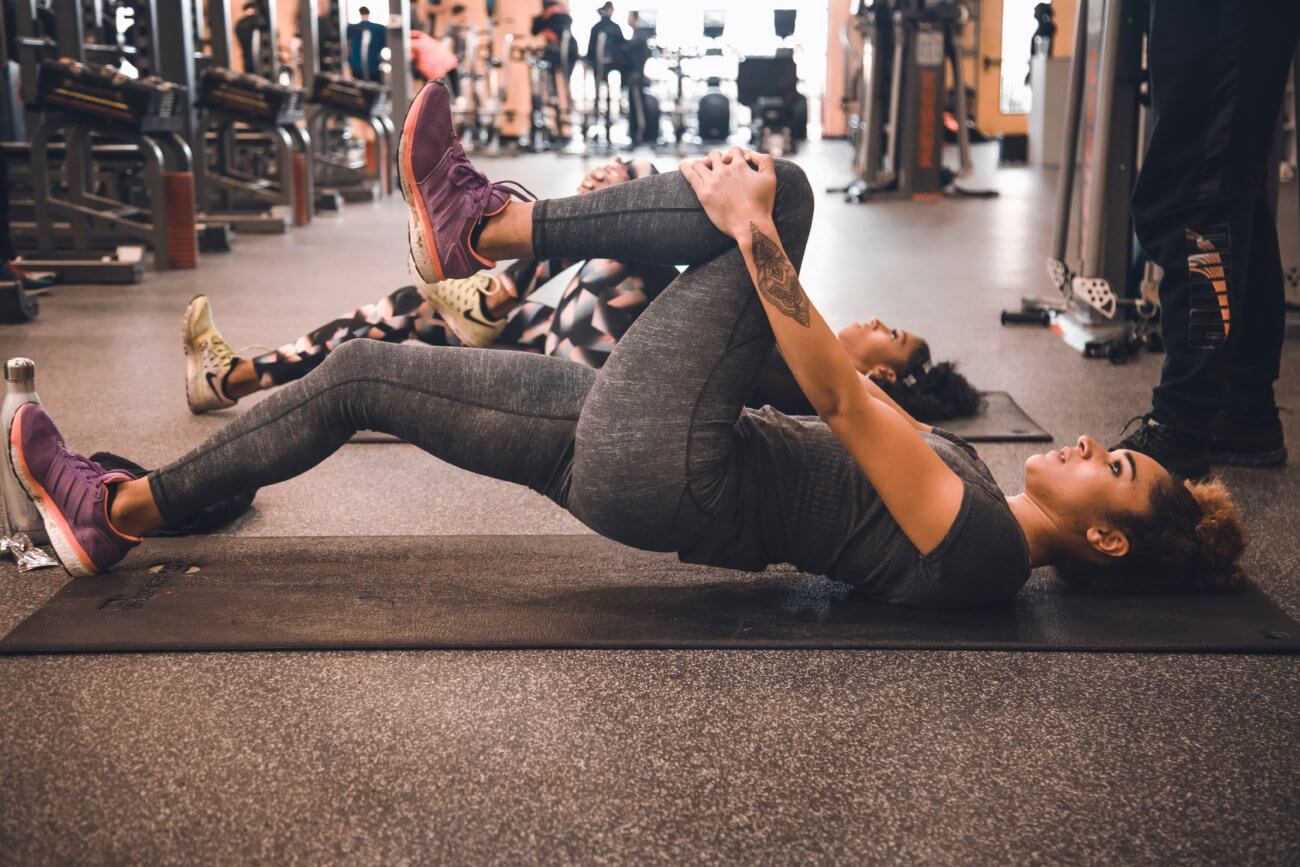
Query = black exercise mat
x=1001 y=421
x=233 y=593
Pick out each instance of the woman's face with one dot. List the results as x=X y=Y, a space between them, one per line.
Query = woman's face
x=873 y=344
x=1082 y=485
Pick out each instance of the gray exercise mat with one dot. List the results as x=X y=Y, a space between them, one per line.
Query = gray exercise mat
x=233 y=593
x=1001 y=421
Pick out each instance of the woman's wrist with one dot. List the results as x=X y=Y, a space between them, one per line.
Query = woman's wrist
x=745 y=228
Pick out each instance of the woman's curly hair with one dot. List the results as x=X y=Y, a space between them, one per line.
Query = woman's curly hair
x=1190 y=540
x=932 y=392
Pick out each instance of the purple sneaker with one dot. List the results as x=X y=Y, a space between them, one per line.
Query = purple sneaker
x=447 y=196
x=69 y=491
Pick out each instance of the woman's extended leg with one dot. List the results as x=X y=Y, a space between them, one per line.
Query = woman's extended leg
x=507 y=415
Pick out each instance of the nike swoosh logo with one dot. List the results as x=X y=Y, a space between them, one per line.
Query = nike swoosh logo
x=470 y=315
x=212 y=384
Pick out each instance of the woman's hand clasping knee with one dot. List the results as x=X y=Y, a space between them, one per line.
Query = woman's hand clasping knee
x=736 y=188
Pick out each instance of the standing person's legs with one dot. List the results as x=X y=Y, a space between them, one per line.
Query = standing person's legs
x=1261 y=327
x=1217 y=74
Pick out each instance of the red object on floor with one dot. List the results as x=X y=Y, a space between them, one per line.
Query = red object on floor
x=182 y=234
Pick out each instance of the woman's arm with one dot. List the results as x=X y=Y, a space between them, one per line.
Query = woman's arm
x=778 y=387
x=917 y=487
x=879 y=394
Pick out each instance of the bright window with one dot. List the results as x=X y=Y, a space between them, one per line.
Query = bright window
x=1018 y=26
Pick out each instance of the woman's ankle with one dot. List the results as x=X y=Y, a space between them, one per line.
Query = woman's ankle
x=507 y=234
x=132 y=510
x=243 y=380
x=503 y=298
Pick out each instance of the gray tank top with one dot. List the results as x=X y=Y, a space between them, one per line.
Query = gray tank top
x=801 y=499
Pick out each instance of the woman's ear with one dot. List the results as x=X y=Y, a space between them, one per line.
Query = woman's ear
x=1107 y=542
x=883 y=373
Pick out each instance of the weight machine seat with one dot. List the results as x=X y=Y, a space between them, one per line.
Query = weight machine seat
x=766 y=77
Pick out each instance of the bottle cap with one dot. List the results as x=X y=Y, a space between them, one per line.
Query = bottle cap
x=20 y=369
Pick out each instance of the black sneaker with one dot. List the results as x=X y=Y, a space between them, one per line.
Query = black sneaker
x=1172 y=449
x=1239 y=443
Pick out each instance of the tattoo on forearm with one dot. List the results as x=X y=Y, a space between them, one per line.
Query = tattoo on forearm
x=777 y=281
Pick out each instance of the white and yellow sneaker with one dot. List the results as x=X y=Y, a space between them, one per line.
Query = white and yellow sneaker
x=208 y=359
x=462 y=304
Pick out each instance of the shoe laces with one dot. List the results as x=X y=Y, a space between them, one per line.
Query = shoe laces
x=1149 y=431
x=83 y=466
x=220 y=350
x=478 y=189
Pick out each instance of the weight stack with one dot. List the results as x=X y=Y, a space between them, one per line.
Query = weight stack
x=301 y=207
x=182 y=233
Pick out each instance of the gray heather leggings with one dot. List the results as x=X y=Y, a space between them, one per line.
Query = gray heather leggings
x=640 y=451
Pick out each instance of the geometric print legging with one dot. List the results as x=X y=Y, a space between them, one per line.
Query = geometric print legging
x=599 y=304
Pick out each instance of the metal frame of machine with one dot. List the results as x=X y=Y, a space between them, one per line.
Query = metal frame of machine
x=82 y=214
x=898 y=150
x=1108 y=295
x=235 y=118
x=336 y=100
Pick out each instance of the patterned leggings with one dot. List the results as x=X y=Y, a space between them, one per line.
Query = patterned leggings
x=601 y=301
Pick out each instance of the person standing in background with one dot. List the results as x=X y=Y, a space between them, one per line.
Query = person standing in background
x=248 y=35
x=607 y=39
x=635 y=53
x=366 y=40
x=555 y=26
x=1201 y=211
x=456 y=40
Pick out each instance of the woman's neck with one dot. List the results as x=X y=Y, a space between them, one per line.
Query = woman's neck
x=1041 y=532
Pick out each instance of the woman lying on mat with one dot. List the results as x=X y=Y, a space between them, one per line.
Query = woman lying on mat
x=655 y=450
x=598 y=305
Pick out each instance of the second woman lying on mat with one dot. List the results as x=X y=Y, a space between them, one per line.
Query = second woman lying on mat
x=598 y=305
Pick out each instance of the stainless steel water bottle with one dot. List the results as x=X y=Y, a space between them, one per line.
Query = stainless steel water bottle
x=20 y=516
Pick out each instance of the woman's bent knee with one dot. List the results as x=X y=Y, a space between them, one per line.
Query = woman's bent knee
x=355 y=357
x=792 y=187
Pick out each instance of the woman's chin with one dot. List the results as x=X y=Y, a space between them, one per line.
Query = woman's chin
x=1037 y=469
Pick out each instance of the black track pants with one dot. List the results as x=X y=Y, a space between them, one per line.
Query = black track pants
x=1218 y=72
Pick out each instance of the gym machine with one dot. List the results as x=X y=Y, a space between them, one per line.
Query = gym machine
x=484 y=79
x=345 y=168
x=769 y=87
x=107 y=161
x=898 y=88
x=713 y=114
x=252 y=170
x=1108 y=301
x=708 y=121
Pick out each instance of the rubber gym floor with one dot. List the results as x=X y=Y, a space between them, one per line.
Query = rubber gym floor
x=633 y=756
